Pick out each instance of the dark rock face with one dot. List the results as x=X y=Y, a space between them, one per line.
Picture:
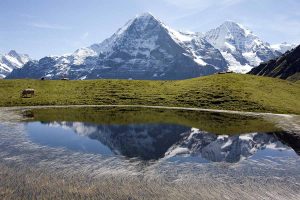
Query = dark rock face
x=144 y=48
x=292 y=140
x=285 y=67
x=33 y=69
x=147 y=51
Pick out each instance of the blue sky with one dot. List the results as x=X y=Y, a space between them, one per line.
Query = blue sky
x=54 y=27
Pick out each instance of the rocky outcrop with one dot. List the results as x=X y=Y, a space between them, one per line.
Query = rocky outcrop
x=286 y=66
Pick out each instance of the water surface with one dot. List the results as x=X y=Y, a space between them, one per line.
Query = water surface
x=128 y=153
x=152 y=134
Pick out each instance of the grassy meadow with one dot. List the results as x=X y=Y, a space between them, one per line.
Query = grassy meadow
x=223 y=91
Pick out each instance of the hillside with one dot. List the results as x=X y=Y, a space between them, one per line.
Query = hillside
x=285 y=67
x=228 y=91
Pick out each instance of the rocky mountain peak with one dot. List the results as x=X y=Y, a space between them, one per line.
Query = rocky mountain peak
x=231 y=36
x=239 y=46
x=146 y=16
x=139 y=23
x=13 y=53
x=10 y=61
x=146 y=48
x=232 y=26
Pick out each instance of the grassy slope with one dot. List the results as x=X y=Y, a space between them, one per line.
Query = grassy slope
x=229 y=91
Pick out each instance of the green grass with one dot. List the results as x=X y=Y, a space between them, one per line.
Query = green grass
x=228 y=91
x=217 y=123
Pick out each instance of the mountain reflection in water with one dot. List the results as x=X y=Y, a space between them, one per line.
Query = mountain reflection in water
x=153 y=141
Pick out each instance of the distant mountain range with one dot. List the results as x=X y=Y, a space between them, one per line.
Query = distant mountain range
x=286 y=66
x=283 y=47
x=10 y=61
x=146 y=48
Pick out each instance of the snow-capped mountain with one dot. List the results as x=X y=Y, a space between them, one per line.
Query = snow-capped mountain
x=240 y=47
x=283 y=47
x=10 y=61
x=145 y=48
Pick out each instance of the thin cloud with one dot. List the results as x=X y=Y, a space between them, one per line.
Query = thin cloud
x=195 y=7
x=48 y=26
x=85 y=36
x=28 y=16
x=201 y=5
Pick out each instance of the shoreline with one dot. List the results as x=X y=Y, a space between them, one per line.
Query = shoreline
x=155 y=107
x=287 y=122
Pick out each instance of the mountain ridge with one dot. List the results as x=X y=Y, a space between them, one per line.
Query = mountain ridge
x=146 y=48
x=286 y=66
x=10 y=61
x=239 y=46
x=283 y=47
